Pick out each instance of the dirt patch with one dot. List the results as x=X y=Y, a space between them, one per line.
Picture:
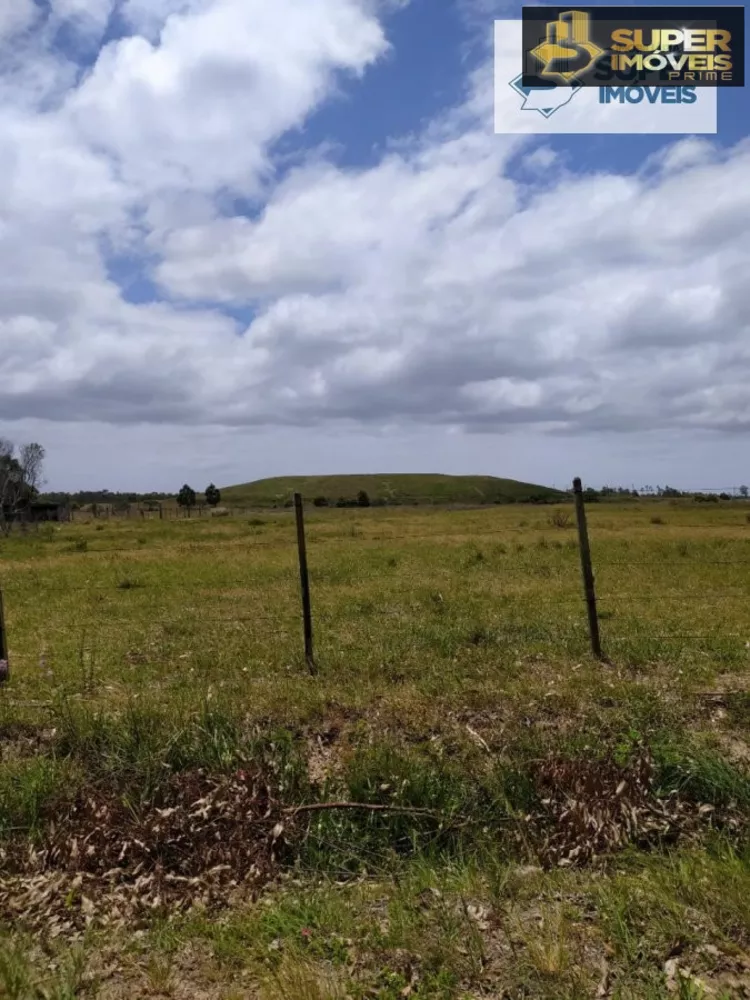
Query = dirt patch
x=324 y=755
x=103 y=861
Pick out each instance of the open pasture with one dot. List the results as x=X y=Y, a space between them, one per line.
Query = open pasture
x=538 y=824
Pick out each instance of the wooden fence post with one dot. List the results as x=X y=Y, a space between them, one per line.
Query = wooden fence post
x=587 y=570
x=304 y=582
x=4 y=656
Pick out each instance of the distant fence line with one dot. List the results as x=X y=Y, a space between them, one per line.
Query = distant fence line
x=43 y=512
x=297 y=505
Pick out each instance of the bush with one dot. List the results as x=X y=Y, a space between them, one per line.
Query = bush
x=320 y=502
x=560 y=519
x=363 y=499
x=657 y=520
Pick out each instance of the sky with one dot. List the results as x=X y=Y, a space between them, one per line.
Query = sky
x=242 y=239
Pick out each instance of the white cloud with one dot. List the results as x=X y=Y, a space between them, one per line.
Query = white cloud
x=586 y=308
x=198 y=109
x=430 y=289
x=16 y=17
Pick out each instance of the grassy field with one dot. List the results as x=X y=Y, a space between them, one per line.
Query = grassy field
x=178 y=793
x=391 y=488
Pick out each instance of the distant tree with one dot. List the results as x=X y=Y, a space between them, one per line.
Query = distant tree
x=186 y=497
x=320 y=502
x=363 y=499
x=20 y=478
x=213 y=495
x=744 y=491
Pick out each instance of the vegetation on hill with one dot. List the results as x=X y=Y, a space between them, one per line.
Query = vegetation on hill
x=397 y=489
x=384 y=490
x=83 y=498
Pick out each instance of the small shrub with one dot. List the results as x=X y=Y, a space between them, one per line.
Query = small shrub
x=256 y=522
x=657 y=520
x=128 y=583
x=560 y=519
x=320 y=502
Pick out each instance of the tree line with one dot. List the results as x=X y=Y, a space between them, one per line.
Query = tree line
x=187 y=497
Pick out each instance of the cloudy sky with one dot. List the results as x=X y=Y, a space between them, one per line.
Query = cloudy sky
x=243 y=238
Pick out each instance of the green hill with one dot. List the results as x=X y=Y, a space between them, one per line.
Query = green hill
x=391 y=489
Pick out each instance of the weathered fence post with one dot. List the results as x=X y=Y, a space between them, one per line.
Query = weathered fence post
x=4 y=656
x=587 y=570
x=304 y=582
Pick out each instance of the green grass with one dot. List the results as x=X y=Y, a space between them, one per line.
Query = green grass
x=453 y=658
x=397 y=488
